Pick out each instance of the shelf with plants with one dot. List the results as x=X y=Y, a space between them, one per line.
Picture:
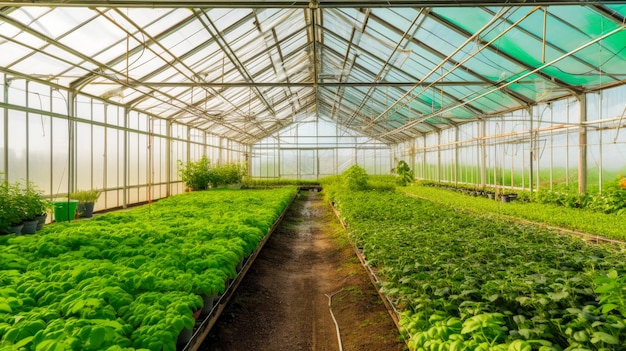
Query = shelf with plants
x=465 y=282
x=130 y=279
x=609 y=225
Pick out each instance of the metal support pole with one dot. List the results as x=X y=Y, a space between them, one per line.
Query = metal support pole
x=27 y=103
x=532 y=150
x=582 y=144
x=125 y=161
x=483 y=153
x=5 y=166
x=456 y=155
x=72 y=148
x=168 y=158
x=438 y=156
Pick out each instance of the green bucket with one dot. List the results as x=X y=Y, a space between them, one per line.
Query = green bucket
x=65 y=210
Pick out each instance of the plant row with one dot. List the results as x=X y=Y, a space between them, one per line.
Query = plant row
x=130 y=279
x=612 y=199
x=274 y=182
x=607 y=225
x=464 y=282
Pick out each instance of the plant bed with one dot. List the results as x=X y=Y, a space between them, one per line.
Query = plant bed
x=129 y=279
x=220 y=302
x=465 y=282
x=610 y=226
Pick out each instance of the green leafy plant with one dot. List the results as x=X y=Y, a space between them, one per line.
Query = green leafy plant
x=122 y=282
x=84 y=196
x=196 y=175
x=466 y=282
x=404 y=172
x=35 y=203
x=13 y=206
x=201 y=174
x=355 y=178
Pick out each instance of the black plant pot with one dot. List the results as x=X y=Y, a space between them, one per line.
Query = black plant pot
x=85 y=209
x=30 y=226
x=41 y=220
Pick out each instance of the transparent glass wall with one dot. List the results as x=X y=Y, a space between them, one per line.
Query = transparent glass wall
x=312 y=149
x=539 y=147
x=63 y=143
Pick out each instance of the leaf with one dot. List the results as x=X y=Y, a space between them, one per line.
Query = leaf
x=605 y=338
x=470 y=326
x=559 y=295
x=50 y=345
x=4 y=307
x=493 y=297
x=27 y=340
x=96 y=338
x=608 y=307
x=581 y=336
x=602 y=289
x=519 y=345
x=525 y=332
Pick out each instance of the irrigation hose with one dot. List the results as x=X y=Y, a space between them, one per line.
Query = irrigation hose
x=330 y=308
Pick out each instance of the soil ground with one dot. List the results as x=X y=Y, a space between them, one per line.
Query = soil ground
x=282 y=304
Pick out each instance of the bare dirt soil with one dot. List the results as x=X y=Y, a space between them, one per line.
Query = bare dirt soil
x=282 y=304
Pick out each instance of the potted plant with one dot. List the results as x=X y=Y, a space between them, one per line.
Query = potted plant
x=35 y=207
x=12 y=211
x=86 y=200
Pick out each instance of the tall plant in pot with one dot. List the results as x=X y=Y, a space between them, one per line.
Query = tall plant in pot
x=12 y=212
x=36 y=208
x=86 y=201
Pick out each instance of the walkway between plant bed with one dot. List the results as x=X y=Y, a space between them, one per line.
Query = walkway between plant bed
x=281 y=302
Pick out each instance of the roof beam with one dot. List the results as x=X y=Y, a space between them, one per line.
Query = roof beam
x=291 y=3
x=311 y=84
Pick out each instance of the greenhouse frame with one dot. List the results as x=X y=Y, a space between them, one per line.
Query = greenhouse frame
x=112 y=95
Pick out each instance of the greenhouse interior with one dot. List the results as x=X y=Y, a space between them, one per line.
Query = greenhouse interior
x=407 y=119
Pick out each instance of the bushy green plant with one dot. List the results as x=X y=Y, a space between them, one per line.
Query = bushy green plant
x=19 y=203
x=10 y=211
x=355 y=178
x=84 y=196
x=227 y=173
x=404 y=172
x=196 y=175
x=35 y=204
x=201 y=175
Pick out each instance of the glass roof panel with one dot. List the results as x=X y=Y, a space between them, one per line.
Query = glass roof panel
x=225 y=18
x=56 y=22
x=371 y=47
x=39 y=64
x=185 y=38
x=11 y=53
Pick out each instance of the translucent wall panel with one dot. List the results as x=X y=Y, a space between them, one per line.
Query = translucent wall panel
x=307 y=168
x=84 y=153
x=345 y=159
x=98 y=157
x=60 y=157
x=126 y=155
x=289 y=163
x=312 y=149
x=538 y=148
x=17 y=146
x=327 y=161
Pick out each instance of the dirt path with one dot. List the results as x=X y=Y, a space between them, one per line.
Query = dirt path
x=281 y=303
